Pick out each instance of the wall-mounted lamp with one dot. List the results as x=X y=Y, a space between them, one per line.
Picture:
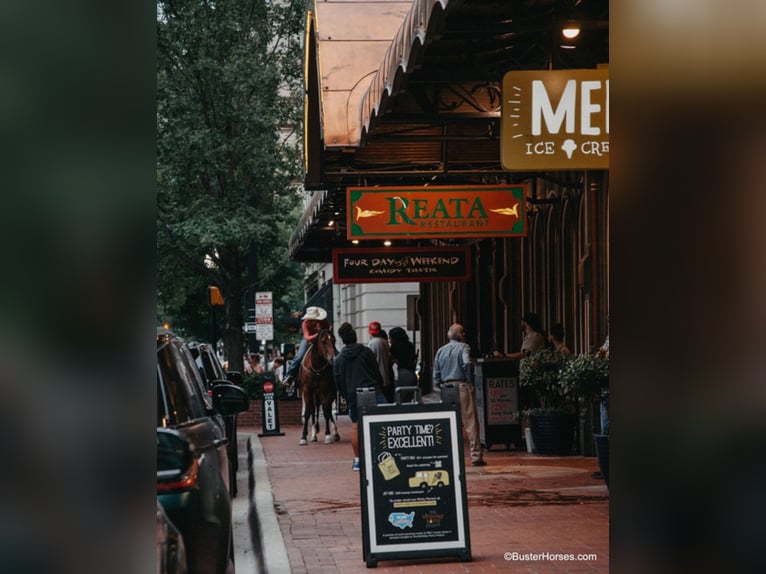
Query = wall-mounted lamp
x=570 y=30
x=355 y=242
x=387 y=243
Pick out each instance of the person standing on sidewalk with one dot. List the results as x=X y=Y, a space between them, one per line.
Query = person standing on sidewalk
x=404 y=357
x=379 y=345
x=355 y=367
x=533 y=339
x=556 y=338
x=452 y=364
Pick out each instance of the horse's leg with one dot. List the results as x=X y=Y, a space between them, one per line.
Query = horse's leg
x=314 y=420
x=315 y=424
x=328 y=422
x=336 y=436
x=333 y=398
x=303 y=440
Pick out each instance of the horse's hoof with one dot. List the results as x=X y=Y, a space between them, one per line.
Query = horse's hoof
x=313 y=439
x=328 y=439
x=303 y=442
x=337 y=437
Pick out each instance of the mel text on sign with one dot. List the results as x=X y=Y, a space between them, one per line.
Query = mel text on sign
x=555 y=120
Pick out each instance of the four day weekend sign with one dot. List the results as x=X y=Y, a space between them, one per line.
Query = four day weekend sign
x=413 y=483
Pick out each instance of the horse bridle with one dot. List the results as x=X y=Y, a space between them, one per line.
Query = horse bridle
x=311 y=368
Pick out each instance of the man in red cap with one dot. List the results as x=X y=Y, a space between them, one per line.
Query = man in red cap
x=379 y=345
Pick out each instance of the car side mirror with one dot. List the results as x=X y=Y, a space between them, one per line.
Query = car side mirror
x=229 y=399
x=174 y=455
x=235 y=377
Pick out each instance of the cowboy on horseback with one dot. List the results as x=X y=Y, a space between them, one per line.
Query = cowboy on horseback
x=314 y=321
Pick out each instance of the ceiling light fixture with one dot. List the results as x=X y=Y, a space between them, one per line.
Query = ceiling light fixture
x=570 y=30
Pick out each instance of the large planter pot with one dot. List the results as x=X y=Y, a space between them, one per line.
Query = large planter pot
x=552 y=434
x=602 y=453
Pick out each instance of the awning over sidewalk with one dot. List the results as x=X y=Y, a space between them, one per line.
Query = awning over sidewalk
x=408 y=92
x=346 y=42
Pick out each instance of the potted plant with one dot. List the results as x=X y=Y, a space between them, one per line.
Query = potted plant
x=552 y=420
x=587 y=376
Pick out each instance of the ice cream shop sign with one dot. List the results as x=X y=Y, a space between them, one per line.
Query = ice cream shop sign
x=436 y=212
x=555 y=120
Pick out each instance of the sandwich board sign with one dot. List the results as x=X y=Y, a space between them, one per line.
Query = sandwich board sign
x=412 y=481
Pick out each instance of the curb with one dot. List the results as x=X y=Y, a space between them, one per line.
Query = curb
x=272 y=551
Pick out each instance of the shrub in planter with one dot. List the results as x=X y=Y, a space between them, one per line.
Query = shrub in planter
x=541 y=373
x=253 y=385
x=585 y=376
x=552 y=420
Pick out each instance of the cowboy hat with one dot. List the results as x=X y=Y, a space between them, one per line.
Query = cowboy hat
x=315 y=313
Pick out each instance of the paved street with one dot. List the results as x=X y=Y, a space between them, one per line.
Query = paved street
x=308 y=508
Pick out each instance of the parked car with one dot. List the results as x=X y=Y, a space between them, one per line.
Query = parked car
x=212 y=374
x=192 y=460
x=171 y=551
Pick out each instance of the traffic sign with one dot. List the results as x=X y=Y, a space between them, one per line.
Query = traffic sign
x=264 y=316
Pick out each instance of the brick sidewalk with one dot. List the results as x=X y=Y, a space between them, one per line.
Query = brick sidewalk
x=517 y=503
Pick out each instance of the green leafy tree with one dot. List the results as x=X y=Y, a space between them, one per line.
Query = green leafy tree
x=228 y=94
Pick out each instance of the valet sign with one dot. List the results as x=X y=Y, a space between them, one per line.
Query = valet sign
x=555 y=120
x=269 y=411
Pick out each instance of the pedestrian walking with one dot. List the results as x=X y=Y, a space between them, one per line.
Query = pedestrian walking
x=355 y=367
x=453 y=364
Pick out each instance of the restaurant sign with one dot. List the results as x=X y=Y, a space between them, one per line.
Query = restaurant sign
x=555 y=120
x=436 y=212
x=401 y=264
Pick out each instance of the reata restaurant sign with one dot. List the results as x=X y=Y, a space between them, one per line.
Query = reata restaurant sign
x=436 y=212
x=555 y=120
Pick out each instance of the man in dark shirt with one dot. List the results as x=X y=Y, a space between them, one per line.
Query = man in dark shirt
x=355 y=367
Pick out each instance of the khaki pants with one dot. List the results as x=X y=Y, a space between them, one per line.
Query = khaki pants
x=470 y=420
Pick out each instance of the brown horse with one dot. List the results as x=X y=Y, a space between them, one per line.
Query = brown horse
x=318 y=386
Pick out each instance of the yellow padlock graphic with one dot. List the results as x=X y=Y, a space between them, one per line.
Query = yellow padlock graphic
x=387 y=465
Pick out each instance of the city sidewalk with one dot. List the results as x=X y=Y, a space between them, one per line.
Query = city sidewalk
x=518 y=504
